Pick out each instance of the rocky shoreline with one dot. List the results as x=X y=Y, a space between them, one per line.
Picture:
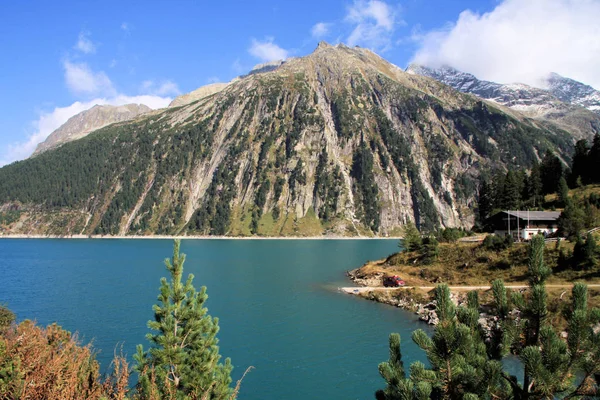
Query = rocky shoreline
x=414 y=300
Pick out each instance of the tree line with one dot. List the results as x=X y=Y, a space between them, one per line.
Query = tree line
x=526 y=190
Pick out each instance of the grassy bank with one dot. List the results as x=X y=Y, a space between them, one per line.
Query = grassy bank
x=472 y=264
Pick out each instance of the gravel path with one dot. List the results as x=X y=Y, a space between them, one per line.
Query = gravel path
x=362 y=289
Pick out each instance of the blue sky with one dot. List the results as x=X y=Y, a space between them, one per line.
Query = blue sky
x=59 y=58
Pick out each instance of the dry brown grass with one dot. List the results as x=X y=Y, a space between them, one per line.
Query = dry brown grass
x=50 y=363
x=470 y=264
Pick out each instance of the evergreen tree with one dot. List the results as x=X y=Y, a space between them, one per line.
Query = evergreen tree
x=563 y=191
x=551 y=170
x=412 y=240
x=511 y=196
x=399 y=387
x=548 y=362
x=594 y=160
x=571 y=220
x=365 y=188
x=534 y=185
x=465 y=361
x=430 y=249
x=457 y=353
x=183 y=362
x=585 y=253
x=581 y=163
x=485 y=201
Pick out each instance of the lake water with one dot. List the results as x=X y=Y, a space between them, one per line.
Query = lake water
x=276 y=300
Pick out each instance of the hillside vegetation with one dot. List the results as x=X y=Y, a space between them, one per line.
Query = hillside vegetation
x=339 y=142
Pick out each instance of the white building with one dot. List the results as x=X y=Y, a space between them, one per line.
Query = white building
x=524 y=225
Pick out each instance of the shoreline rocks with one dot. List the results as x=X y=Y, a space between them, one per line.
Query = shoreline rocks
x=426 y=310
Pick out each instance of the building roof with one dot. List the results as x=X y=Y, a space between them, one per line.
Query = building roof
x=535 y=215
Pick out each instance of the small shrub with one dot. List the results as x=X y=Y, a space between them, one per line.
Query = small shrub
x=497 y=243
x=502 y=264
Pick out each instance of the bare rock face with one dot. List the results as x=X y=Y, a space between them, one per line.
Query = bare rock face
x=339 y=142
x=198 y=94
x=85 y=122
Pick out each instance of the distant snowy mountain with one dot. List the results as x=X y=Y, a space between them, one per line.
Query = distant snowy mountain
x=570 y=104
x=571 y=91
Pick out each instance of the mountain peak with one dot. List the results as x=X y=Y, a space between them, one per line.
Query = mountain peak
x=572 y=91
x=82 y=124
x=323 y=45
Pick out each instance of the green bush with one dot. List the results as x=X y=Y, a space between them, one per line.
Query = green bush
x=497 y=243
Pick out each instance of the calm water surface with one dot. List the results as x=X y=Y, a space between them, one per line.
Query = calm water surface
x=276 y=300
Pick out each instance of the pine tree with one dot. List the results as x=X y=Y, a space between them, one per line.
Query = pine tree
x=398 y=386
x=457 y=353
x=584 y=253
x=412 y=240
x=594 y=160
x=534 y=185
x=183 y=362
x=551 y=170
x=465 y=361
x=485 y=203
x=571 y=220
x=511 y=196
x=581 y=163
x=563 y=191
x=430 y=249
x=549 y=363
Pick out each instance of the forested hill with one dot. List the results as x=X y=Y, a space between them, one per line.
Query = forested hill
x=338 y=142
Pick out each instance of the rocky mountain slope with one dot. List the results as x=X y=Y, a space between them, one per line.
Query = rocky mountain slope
x=339 y=142
x=88 y=121
x=573 y=92
x=565 y=102
x=198 y=94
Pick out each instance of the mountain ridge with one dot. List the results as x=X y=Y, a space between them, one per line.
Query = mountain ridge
x=87 y=121
x=339 y=142
x=565 y=102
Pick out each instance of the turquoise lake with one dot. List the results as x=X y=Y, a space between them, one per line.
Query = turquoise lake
x=276 y=300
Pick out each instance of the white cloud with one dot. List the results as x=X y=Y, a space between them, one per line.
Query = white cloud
x=165 y=88
x=267 y=50
x=125 y=27
x=237 y=67
x=81 y=80
x=521 y=41
x=320 y=30
x=84 y=44
x=49 y=121
x=374 y=22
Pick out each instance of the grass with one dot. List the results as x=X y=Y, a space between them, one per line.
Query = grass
x=309 y=225
x=577 y=193
x=470 y=264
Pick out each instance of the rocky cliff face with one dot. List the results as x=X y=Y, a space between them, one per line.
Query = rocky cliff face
x=88 y=121
x=567 y=103
x=339 y=142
